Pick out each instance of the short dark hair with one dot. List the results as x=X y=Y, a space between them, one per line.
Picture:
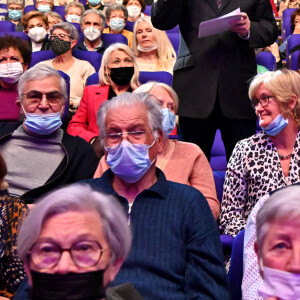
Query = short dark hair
x=17 y=43
x=293 y=17
x=142 y=2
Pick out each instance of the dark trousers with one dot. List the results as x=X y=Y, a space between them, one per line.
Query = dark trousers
x=202 y=131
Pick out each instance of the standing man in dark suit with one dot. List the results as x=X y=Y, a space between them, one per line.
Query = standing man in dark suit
x=211 y=74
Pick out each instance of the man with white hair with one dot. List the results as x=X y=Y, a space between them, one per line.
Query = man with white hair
x=176 y=251
x=39 y=155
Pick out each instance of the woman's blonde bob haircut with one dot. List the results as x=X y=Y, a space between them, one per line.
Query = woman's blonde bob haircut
x=151 y=85
x=165 y=51
x=103 y=74
x=282 y=84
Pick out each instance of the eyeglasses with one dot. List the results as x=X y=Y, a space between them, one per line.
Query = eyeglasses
x=264 y=101
x=46 y=255
x=60 y=35
x=133 y=136
x=35 y=98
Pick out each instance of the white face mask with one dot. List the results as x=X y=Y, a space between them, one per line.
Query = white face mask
x=148 y=49
x=92 y=33
x=73 y=18
x=280 y=284
x=133 y=11
x=37 y=34
x=11 y=72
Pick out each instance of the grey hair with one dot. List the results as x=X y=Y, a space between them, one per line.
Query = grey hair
x=103 y=75
x=39 y=72
x=71 y=29
x=284 y=203
x=114 y=7
x=151 y=85
x=54 y=14
x=79 y=198
x=96 y=12
x=129 y=100
x=74 y=4
x=18 y=2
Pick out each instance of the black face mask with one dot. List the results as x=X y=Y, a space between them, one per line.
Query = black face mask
x=121 y=76
x=70 y=286
x=59 y=46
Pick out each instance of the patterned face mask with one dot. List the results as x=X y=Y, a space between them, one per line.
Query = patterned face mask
x=59 y=46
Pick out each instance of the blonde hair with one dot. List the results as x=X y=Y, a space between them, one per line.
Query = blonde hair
x=151 y=85
x=282 y=84
x=103 y=75
x=165 y=51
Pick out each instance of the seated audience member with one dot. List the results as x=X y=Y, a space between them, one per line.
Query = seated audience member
x=269 y=159
x=295 y=29
x=116 y=16
x=92 y=228
x=15 y=11
x=118 y=74
x=74 y=12
x=277 y=246
x=53 y=18
x=15 y=57
x=287 y=4
x=135 y=9
x=176 y=251
x=152 y=47
x=63 y=38
x=39 y=155
x=35 y=26
x=181 y=162
x=94 y=4
x=12 y=212
x=92 y=25
x=44 y=5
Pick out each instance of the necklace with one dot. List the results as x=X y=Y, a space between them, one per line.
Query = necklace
x=283 y=157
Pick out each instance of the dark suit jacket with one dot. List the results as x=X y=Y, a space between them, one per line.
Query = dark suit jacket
x=84 y=122
x=222 y=63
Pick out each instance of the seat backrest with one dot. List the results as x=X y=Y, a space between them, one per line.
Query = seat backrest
x=174 y=39
x=219 y=177
x=236 y=266
x=39 y=56
x=266 y=59
x=293 y=41
x=173 y=30
x=93 y=79
x=218 y=161
x=129 y=26
x=66 y=110
x=286 y=23
x=147 y=10
x=94 y=58
x=60 y=10
x=109 y=39
x=21 y=35
x=160 y=76
x=7 y=26
x=294 y=61
x=29 y=8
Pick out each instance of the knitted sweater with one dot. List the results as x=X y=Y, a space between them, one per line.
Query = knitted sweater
x=176 y=252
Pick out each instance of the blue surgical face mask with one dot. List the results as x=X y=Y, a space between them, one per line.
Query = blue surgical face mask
x=168 y=122
x=73 y=18
x=94 y=2
x=43 y=124
x=43 y=8
x=14 y=14
x=275 y=126
x=129 y=161
x=117 y=24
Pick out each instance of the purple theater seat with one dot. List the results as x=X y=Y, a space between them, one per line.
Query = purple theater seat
x=7 y=26
x=218 y=161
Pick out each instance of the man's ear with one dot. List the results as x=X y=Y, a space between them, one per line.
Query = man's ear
x=160 y=141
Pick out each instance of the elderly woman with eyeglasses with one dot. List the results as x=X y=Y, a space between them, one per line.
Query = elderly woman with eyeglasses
x=63 y=38
x=269 y=159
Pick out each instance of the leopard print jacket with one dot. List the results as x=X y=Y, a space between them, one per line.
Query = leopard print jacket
x=253 y=171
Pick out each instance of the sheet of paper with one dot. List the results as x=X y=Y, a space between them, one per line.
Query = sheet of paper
x=217 y=25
